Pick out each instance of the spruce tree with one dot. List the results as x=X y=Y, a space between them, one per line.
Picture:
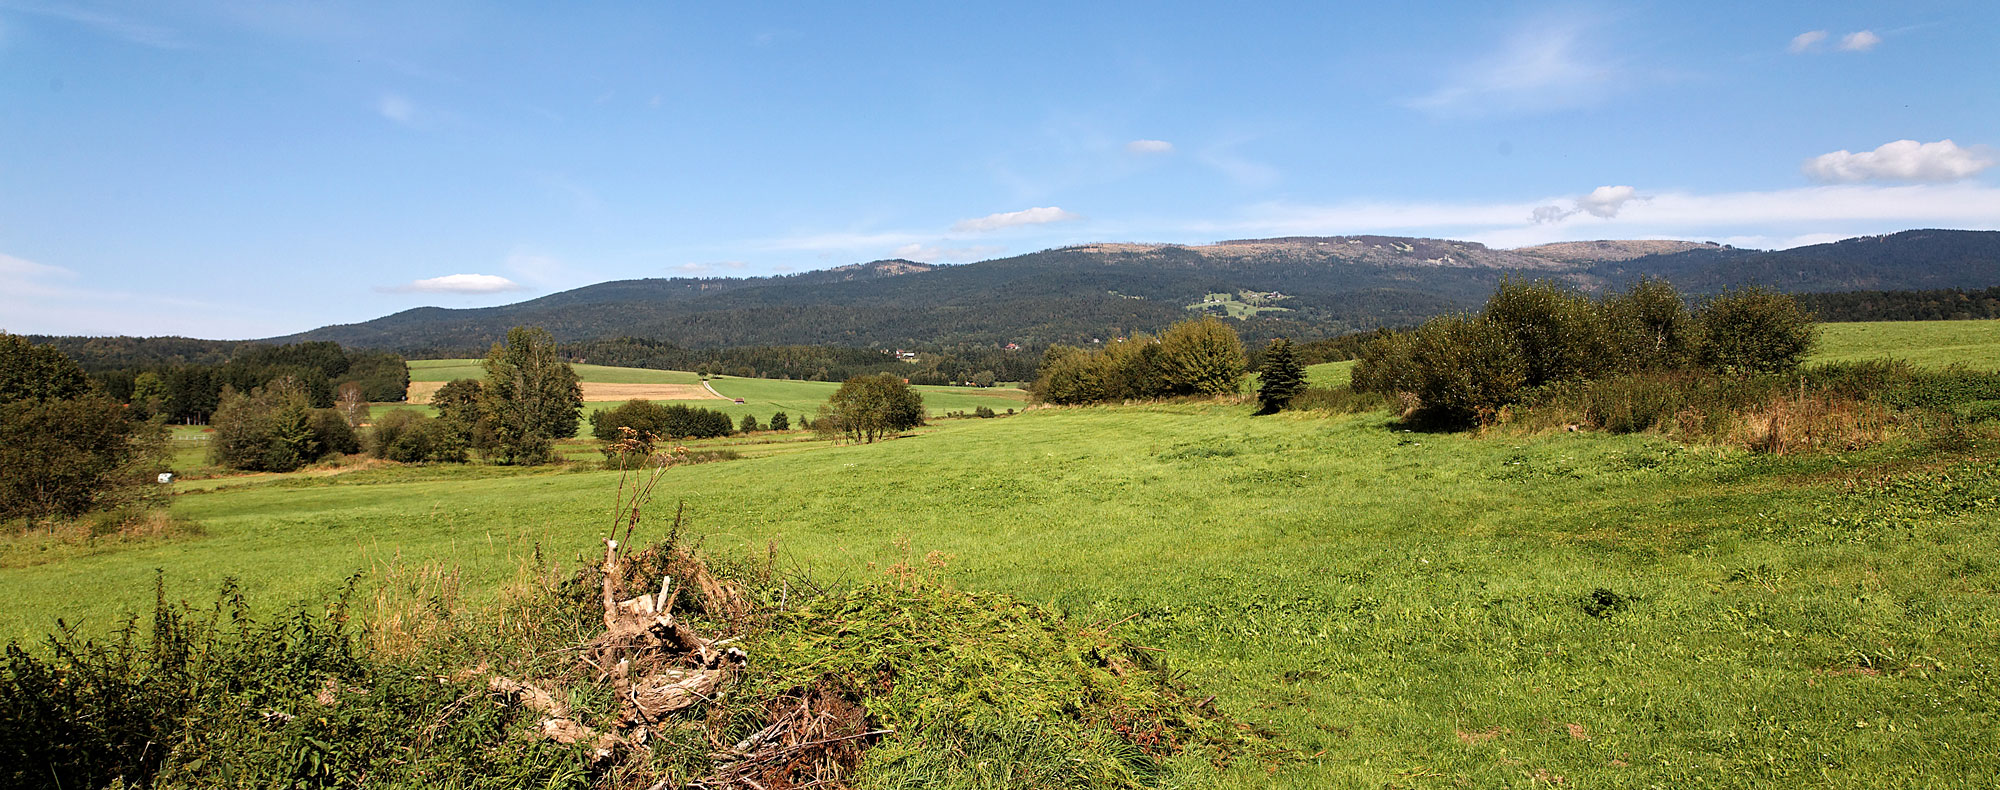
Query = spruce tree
x=1280 y=378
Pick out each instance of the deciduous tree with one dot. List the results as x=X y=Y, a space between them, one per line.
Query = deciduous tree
x=530 y=398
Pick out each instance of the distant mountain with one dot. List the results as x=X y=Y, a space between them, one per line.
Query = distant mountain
x=1304 y=287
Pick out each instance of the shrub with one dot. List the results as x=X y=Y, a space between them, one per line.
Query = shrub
x=983 y=412
x=780 y=422
x=1467 y=369
x=1386 y=367
x=748 y=424
x=1755 y=331
x=1650 y=327
x=1200 y=357
x=269 y=430
x=410 y=437
x=331 y=430
x=1559 y=333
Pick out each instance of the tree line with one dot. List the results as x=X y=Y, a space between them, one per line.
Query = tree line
x=1949 y=304
x=1464 y=369
x=190 y=392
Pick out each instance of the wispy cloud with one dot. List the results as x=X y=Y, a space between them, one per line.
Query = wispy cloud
x=116 y=26
x=1902 y=160
x=398 y=108
x=458 y=284
x=1149 y=147
x=39 y=298
x=1860 y=41
x=1040 y=215
x=1544 y=66
x=1850 y=209
x=1812 y=41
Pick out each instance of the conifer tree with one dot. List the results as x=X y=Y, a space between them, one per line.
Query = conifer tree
x=1280 y=378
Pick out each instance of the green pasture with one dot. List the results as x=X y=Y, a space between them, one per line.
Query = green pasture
x=796 y=398
x=1395 y=608
x=1933 y=344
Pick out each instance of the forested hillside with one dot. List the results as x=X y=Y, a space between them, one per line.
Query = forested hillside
x=1311 y=287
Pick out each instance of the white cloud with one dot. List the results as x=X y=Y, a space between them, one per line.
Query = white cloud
x=1542 y=67
x=1861 y=41
x=1603 y=202
x=1902 y=160
x=397 y=108
x=1606 y=201
x=461 y=284
x=1806 y=41
x=1149 y=147
x=1031 y=216
x=927 y=253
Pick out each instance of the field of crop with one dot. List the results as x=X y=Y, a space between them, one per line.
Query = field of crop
x=1925 y=343
x=1394 y=609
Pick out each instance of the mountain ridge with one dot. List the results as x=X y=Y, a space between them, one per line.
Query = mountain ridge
x=1325 y=285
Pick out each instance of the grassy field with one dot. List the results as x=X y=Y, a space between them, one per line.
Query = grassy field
x=764 y=396
x=1395 y=609
x=1400 y=609
x=1925 y=343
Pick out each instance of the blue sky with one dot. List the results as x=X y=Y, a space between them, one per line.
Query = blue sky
x=252 y=168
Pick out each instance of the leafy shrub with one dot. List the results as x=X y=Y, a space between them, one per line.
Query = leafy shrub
x=1558 y=331
x=1200 y=357
x=1385 y=365
x=983 y=412
x=410 y=437
x=334 y=434
x=1650 y=328
x=1468 y=369
x=271 y=429
x=1754 y=330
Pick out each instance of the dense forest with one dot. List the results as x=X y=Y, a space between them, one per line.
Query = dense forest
x=1948 y=304
x=184 y=379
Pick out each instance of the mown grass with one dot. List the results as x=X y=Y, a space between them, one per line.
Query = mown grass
x=1400 y=609
x=1931 y=344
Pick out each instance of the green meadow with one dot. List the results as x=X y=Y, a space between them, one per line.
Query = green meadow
x=1389 y=608
x=1934 y=344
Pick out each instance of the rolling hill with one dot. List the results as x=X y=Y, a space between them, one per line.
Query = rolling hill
x=1325 y=285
